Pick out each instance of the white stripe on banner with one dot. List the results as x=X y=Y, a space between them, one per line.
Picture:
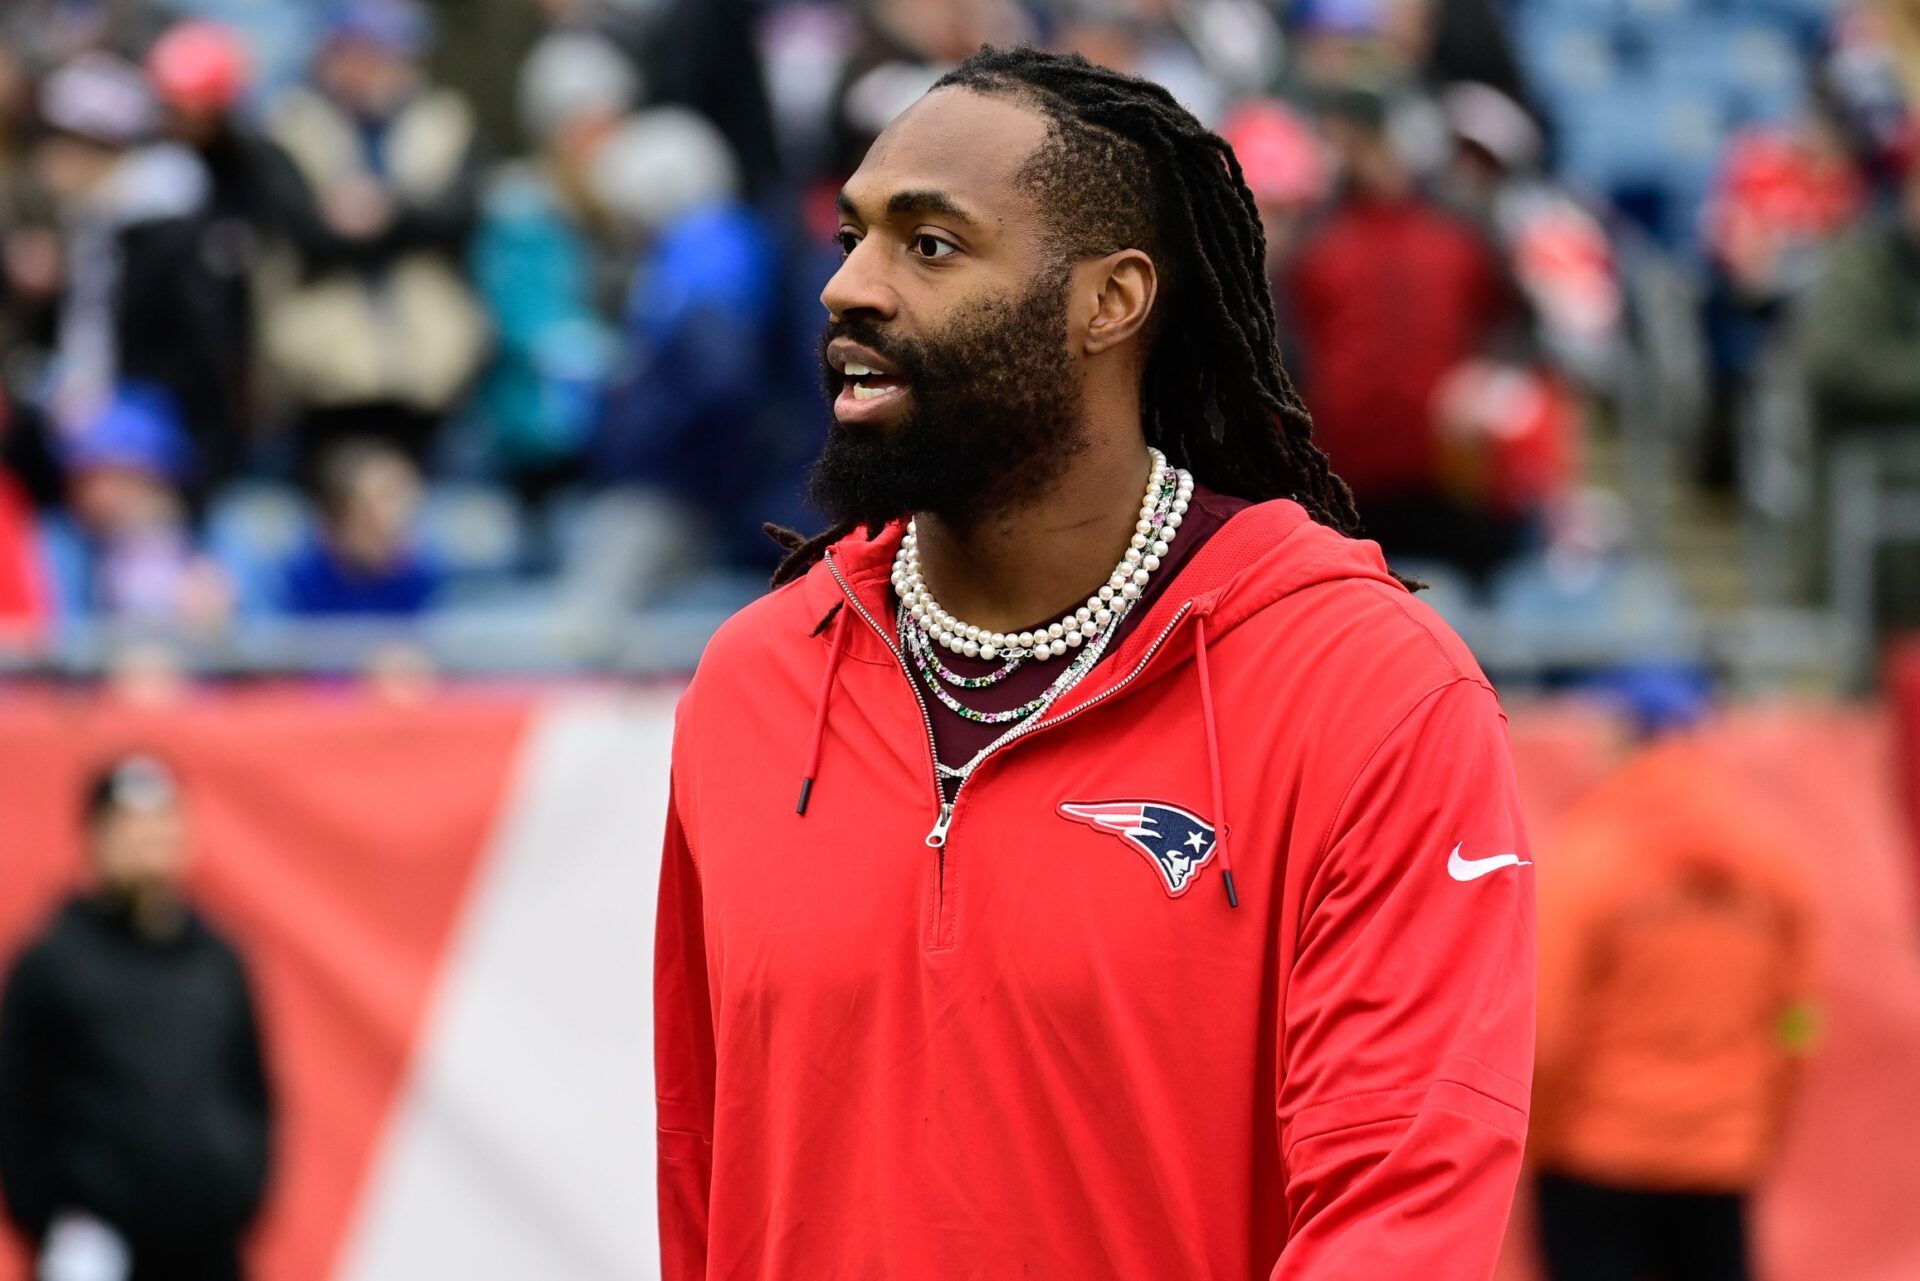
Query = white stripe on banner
x=523 y=1149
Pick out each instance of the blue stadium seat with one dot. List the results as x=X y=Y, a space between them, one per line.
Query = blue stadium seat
x=473 y=530
x=1644 y=93
x=1626 y=597
x=1445 y=589
x=252 y=529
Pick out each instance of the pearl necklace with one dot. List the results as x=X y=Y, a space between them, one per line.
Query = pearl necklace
x=922 y=623
x=1169 y=491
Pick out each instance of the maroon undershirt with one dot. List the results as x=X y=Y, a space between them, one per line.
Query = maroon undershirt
x=957 y=740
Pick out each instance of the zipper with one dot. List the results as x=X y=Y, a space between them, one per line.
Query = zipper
x=937 y=838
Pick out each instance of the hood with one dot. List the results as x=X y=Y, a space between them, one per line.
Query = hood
x=1263 y=554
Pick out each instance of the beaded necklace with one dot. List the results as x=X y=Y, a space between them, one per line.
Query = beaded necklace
x=925 y=627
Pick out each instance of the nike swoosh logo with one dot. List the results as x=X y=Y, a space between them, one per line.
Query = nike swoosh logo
x=1470 y=869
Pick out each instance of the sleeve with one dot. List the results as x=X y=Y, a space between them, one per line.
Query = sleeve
x=27 y=1150
x=1575 y=902
x=1858 y=349
x=255 y=1097
x=443 y=220
x=683 y=1059
x=1407 y=1032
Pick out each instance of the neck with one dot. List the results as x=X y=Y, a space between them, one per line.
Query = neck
x=1033 y=563
x=154 y=913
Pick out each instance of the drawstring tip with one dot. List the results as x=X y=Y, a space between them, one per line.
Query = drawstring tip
x=806 y=790
x=1226 y=878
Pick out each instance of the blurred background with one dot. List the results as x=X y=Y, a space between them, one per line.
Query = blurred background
x=391 y=395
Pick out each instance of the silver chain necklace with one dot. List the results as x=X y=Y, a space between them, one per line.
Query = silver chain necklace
x=925 y=628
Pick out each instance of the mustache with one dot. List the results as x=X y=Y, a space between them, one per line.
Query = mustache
x=868 y=335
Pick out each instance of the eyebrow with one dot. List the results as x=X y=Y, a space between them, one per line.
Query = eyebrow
x=915 y=200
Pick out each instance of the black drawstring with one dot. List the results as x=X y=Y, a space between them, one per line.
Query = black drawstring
x=837 y=618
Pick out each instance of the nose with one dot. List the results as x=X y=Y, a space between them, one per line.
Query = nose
x=860 y=284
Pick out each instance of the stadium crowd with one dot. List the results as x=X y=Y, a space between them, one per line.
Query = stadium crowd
x=373 y=308
x=325 y=324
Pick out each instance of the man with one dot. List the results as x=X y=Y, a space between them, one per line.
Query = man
x=201 y=74
x=133 y=1104
x=1391 y=294
x=1858 y=336
x=1675 y=974
x=376 y=331
x=129 y=304
x=1201 y=946
x=124 y=548
x=365 y=559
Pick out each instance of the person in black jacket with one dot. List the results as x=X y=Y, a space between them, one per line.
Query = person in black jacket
x=134 y=1106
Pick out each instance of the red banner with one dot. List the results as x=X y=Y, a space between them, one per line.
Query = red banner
x=336 y=839
x=399 y=877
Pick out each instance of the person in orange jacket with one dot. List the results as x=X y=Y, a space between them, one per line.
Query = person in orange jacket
x=1675 y=966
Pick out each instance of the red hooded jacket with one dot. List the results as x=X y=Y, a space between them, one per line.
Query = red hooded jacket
x=1051 y=1047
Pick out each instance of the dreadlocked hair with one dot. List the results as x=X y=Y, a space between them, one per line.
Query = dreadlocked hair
x=1124 y=165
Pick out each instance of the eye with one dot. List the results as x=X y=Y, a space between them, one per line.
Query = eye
x=846 y=240
x=931 y=247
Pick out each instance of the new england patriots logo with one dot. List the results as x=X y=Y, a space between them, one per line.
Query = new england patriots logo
x=1177 y=843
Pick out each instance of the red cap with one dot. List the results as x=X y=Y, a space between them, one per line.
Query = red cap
x=200 y=66
x=1279 y=152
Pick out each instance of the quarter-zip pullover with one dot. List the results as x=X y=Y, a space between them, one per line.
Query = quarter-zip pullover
x=1221 y=968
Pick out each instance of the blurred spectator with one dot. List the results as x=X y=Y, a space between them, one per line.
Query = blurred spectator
x=1674 y=974
x=1391 y=294
x=126 y=549
x=1508 y=435
x=379 y=333
x=1463 y=41
x=551 y=262
x=364 y=559
x=1557 y=252
x=201 y=72
x=1345 y=42
x=29 y=247
x=1859 y=337
x=132 y=295
x=1865 y=86
x=1425 y=42
x=23 y=593
x=1204 y=51
x=1780 y=196
x=703 y=55
x=1861 y=327
x=49 y=32
x=134 y=1108
x=901 y=48
x=1286 y=168
x=683 y=416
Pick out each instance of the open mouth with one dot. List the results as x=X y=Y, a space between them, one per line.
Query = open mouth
x=869 y=395
x=866 y=383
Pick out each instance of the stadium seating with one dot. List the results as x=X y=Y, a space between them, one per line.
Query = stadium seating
x=473 y=531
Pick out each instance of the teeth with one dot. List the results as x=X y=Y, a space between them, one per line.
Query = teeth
x=869 y=393
x=853 y=370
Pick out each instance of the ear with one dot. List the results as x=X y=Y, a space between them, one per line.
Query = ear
x=1124 y=284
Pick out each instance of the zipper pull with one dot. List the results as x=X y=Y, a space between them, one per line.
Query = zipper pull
x=938 y=836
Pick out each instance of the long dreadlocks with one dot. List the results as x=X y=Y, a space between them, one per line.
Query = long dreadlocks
x=1215 y=398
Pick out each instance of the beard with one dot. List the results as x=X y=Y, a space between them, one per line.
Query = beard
x=995 y=416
